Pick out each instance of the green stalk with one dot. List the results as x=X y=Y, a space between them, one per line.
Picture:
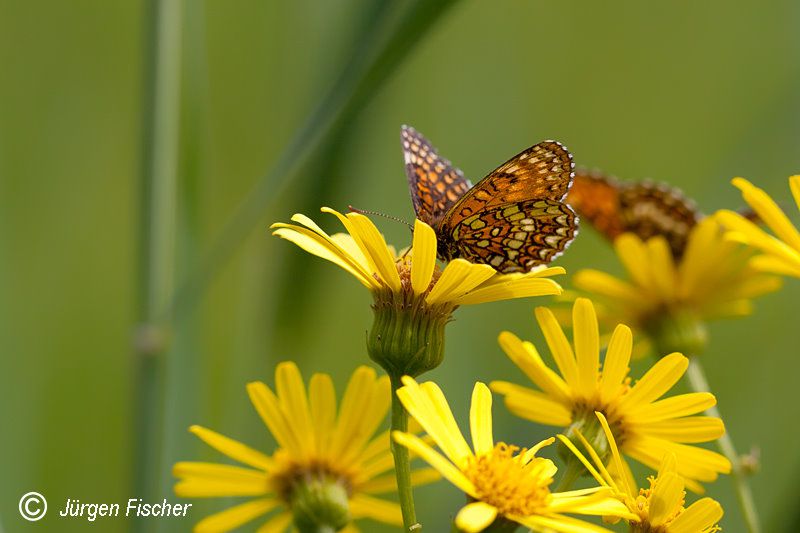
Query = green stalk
x=402 y=462
x=699 y=383
x=572 y=473
x=157 y=248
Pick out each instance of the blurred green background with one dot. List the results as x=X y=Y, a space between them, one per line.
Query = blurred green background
x=690 y=93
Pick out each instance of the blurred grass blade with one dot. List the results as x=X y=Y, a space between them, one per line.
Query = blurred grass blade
x=400 y=25
x=157 y=234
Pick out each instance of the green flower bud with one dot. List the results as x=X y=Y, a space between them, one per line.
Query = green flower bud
x=407 y=335
x=319 y=505
x=677 y=332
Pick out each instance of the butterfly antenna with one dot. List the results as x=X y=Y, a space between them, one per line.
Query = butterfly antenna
x=375 y=213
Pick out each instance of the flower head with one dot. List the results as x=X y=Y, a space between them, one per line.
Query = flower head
x=504 y=482
x=658 y=508
x=413 y=298
x=645 y=425
x=669 y=299
x=781 y=251
x=329 y=465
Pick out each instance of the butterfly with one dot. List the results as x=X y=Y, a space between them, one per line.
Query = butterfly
x=644 y=208
x=513 y=219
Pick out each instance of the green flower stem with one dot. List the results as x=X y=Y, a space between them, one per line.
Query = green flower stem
x=699 y=383
x=572 y=473
x=402 y=462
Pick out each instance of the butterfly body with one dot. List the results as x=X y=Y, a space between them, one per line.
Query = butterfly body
x=513 y=219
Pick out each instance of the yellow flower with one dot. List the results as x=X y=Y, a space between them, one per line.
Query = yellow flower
x=781 y=251
x=669 y=300
x=328 y=465
x=413 y=298
x=363 y=252
x=646 y=426
x=659 y=508
x=504 y=482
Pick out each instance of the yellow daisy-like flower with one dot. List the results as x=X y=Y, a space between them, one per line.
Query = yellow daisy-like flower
x=505 y=482
x=659 y=508
x=781 y=251
x=413 y=298
x=645 y=425
x=329 y=465
x=668 y=300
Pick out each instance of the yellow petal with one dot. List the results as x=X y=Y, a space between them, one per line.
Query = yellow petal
x=458 y=278
x=363 y=506
x=533 y=405
x=233 y=449
x=375 y=247
x=558 y=523
x=527 y=358
x=615 y=365
x=666 y=498
x=358 y=395
x=768 y=211
x=326 y=249
x=294 y=404
x=277 y=524
x=587 y=345
x=676 y=406
x=431 y=410
x=436 y=460
x=508 y=290
x=687 y=430
x=423 y=261
x=658 y=380
x=235 y=516
x=206 y=480
x=475 y=517
x=700 y=516
x=322 y=400
x=597 y=282
x=268 y=408
x=633 y=254
x=559 y=346
x=480 y=419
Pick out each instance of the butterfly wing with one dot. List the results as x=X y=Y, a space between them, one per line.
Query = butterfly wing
x=644 y=208
x=595 y=197
x=542 y=171
x=435 y=184
x=514 y=237
x=650 y=209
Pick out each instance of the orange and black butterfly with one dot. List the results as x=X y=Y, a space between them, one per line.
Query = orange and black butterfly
x=513 y=219
x=644 y=208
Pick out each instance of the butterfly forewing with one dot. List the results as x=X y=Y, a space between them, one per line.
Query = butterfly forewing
x=542 y=171
x=435 y=184
x=517 y=236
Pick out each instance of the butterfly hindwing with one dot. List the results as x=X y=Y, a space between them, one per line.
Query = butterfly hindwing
x=435 y=184
x=517 y=236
